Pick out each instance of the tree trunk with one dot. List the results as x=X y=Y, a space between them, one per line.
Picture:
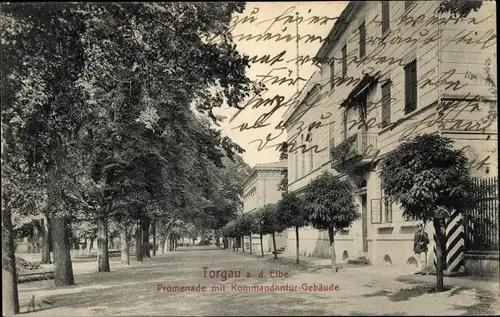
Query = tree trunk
x=90 y=246
x=63 y=270
x=46 y=240
x=111 y=243
x=297 y=244
x=10 y=299
x=102 y=241
x=37 y=234
x=145 y=237
x=250 y=246
x=153 y=229
x=138 y=242
x=274 y=247
x=162 y=244
x=333 y=256
x=169 y=243
x=217 y=239
x=261 y=246
x=175 y=243
x=125 y=244
x=243 y=244
x=438 y=229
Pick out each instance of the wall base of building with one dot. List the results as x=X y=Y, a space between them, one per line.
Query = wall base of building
x=482 y=264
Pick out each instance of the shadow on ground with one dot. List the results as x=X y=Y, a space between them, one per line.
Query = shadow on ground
x=488 y=304
x=405 y=294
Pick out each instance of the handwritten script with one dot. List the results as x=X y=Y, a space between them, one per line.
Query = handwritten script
x=321 y=107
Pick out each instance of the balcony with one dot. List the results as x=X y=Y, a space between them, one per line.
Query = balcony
x=355 y=151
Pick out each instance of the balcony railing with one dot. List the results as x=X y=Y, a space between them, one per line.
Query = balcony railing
x=356 y=150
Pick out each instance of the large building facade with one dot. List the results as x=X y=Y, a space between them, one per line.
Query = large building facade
x=260 y=189
x=391 y=70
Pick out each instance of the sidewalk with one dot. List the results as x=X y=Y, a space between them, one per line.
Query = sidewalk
x=381 y=272
x=476 y=282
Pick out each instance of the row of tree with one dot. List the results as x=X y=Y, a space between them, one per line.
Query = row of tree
x=327 y=203
x=425 y=175
x=107 y=120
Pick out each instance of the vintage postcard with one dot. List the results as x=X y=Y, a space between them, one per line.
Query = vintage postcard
x=249 y=158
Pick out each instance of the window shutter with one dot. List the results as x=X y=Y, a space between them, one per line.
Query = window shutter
x=331 y=139
x=387 y=209
x=344 y=61
x=386 y=104
x=362 y=40
x=385 y=16
x=344 y=122
x=311 y=154
x=410 y=87
x=408 y=4
x=332 y=74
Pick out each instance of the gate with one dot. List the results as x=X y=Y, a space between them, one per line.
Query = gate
x=481 y=222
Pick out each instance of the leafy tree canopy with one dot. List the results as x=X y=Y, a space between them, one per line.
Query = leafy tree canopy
x=330 y=202
x=426 y=174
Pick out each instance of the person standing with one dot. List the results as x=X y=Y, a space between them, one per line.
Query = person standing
x=420 y=242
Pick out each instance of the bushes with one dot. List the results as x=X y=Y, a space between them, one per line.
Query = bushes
x=22 y=265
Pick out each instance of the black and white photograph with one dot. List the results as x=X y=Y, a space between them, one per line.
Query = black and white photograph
x=319 y=158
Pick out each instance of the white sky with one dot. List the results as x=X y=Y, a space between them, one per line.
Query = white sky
x=265 y=13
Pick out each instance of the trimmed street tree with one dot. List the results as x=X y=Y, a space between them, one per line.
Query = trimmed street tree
x=429 y=178
x=244 y=227
x=266 y=221
x=272 y=223
x=260 y=227
x=291 y=213
x=229 y=231
x=330 y=204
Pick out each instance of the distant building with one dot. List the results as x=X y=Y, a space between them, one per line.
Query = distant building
x=392 y=69
x=259 y=189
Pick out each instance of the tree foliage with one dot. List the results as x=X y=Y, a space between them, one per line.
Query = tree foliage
x=459 y=7
x=109 y=112
x=245 y=224
x=330 y=203
x=426 y=174
x=267 y=221
x=291 y=211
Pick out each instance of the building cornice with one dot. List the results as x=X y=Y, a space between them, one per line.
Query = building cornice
x=263 y=168
x=307 y=91
x=339 y=28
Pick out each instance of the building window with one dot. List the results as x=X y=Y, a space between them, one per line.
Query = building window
x=387 y=208
x=375 y=210
x=332 y=74
x=410 y=87
x=362 y=40
x=331 y=131
x=296 y=169
x=344 y=61
x=385 y=16
x=344 y=124
x=311 y=152
x=303 y=156
x=409 y=218
x=408 y=4
x=386 y=104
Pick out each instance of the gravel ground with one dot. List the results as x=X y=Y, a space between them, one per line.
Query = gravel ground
x=134 y=290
